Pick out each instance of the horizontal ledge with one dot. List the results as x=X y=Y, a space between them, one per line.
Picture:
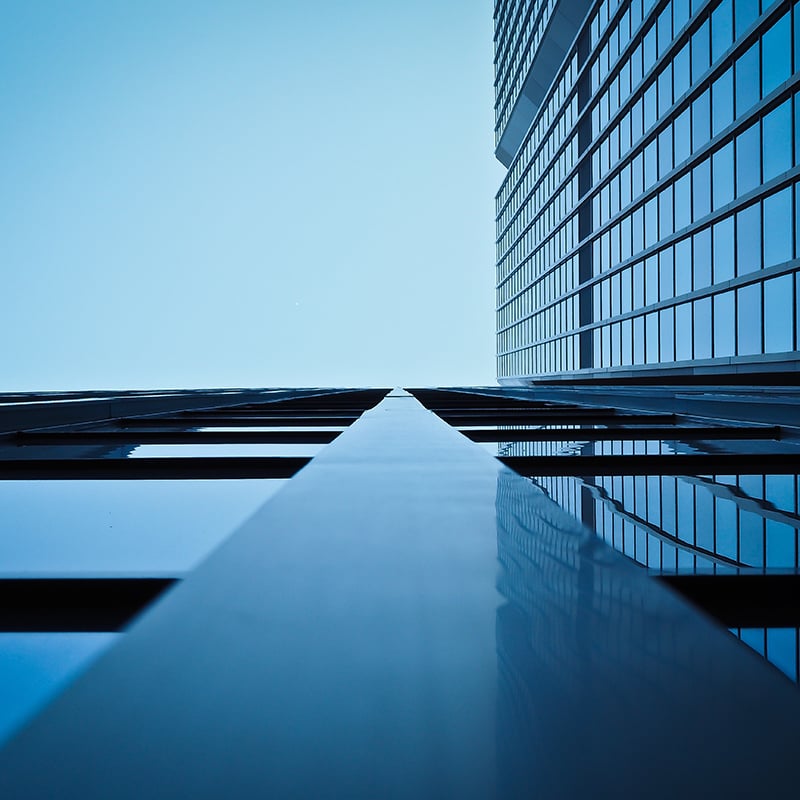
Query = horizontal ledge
x=75 y=604
x=745 y=600
x=174 y=437
x=549 y=418
x=677 y=464
x=179 y=468
x=228 y=422
x=616 y=434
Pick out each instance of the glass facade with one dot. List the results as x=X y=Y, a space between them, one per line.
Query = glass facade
x=648 y=220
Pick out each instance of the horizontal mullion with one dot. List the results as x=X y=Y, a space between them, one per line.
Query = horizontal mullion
x=549 y=418
x=615 y=434
x=677 y=464
x=179 y=468
x=75 y=604
x=227 y=422
x=175 y=437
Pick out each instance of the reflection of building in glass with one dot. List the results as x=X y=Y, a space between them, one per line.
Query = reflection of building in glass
x=647 y=221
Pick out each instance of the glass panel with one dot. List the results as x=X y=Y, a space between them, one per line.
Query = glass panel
x=701 y=120
x=702 y=259
x=701 y=190
x=778 y=141
x=724 y=334
x=723 y=189
x=702 y=328
x=721 y=29
x=700 y=52
x=748 y=87
x=35 y=666
x=748 y=320
x=748 y=160
x=723 y=250
x=776 y=57
x=748 y=239
x=778 y=314
x=683 y=332
x=120 y=526
x=746 y=15
x=722 y=90
x=778 y=227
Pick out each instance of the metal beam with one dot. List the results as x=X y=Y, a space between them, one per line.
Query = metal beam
x=408 y=618
x=672 y=433
x=173 y=437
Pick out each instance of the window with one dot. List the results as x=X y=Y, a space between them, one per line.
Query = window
x=778 y=227
x=701 y=120
x=747 y=81
x=723 y=250
x=722 y=90
x=721 y=29
x=748 y=320
x=683 y=267
x=701 y=190
x=723 y=176
x=776 y=56
x=664 y=152
x=702 y=328
x=724 y=334
x=665 y=212
x=777 y=142
x=702 y=259
x=666 y=274
x=683 y=332
x=666 y=319
x=746 y=15
x=700 y=52
x=748 y=160
x=778 y=314
x=748 y=239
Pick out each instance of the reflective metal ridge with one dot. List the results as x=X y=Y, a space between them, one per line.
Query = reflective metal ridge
x=410 y=618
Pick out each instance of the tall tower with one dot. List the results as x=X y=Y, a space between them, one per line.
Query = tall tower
x=647 y=225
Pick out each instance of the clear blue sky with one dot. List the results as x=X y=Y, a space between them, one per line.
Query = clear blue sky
x=246 y=193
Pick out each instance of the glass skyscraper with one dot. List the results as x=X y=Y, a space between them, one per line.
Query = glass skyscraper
x=647 y=225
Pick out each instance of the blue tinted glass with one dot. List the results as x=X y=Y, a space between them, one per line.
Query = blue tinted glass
x=748 y=320
x=723 y=176
x=638 y=285
x=725 y=513
x=683 y=332
x=680 y=14
x=638 y=340
x=748 y=160
x=748 y=239
x=683 y=201
x=747 y=81
x=778 y=227
x=667 y=322
x=666 y=274
x=681 y=75
x=665 y=212
x=651 y=338
x=723 y=250
x=701 y=190
x=751 y=539
x=651 y=279
x=683 y=266
x=701 y=120
x=721 y=28
x=779 y=314
x=702 y=259
x=665 y=90
x=702 y=328
x=683 y=136
x=121 y=526
x=781 y=642
x=650 y=107
x=777 y=144
x=664 y=29
x=651 y=221
x=649 y=48
x=722 y=90
x=665 y=152
x=700 y=52
x=724 y=329
x=638 y=230
x=776 y=57
x=651 y=164
x=34 y=666
x=746 y=15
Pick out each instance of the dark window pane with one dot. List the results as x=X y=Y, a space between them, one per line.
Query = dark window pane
x=723 y=176
x=776 y=56
x=748 y=320
x=777 y=144
x=748 y=239
x=748 y=160
x=778 y=227
x=747 y=81
x=722 y=97
x=778 y=314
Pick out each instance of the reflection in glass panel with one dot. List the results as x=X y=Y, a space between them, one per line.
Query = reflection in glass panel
x=748 y=160
x=702 y=259
x=748 y=239
x=723 y=250
x=776 y=58
x=701 y=119
x=748 y=320
x=724 y=328
x=34 y=666
x=666 y=320
x=722 y=90
x=746 y=15
x=701 y=190
x=778 y=227
x=700 y=52
x=721 y=29
x=702 y=328
x=110 y=526
x=748 y=86
x=777 y=141
x=722 y=161
x=778 y=314
x=683 y=332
